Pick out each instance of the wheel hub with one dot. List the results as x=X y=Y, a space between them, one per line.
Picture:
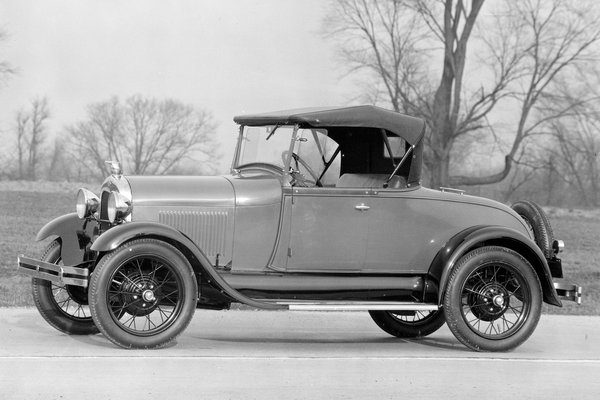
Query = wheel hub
x=498 y=300
x=139 y=295
x=148 y=295
x=489 y=302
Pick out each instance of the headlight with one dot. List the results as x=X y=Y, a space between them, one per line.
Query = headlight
x=118 y=206
x=87 y=203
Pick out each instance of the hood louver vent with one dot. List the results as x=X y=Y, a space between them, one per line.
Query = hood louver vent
x=207 y=229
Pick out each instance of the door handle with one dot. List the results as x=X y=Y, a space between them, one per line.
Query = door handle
x=361 y=207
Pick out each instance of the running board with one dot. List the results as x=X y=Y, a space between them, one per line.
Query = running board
x=295 y=305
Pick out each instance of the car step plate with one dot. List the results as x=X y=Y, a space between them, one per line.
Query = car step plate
x=356 y=306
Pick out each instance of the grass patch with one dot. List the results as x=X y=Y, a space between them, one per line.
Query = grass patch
x=23 y=211
x=22 y=214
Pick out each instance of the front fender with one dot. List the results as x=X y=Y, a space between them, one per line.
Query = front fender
x=74 y=233
x=477 y=236
x=114 y=237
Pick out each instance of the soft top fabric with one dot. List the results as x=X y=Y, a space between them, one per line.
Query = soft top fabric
x=367 y=116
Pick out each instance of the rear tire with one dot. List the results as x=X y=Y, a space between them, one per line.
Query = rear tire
x=493 y=299
x=408 y=325
x=64 y=307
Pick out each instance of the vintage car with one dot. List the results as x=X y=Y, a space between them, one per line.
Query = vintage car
x=323 y=210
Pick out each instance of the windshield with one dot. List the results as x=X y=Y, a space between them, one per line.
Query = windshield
x=315 y=156
x=265 y=144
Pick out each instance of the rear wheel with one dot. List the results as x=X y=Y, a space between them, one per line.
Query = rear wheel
x=65 y=307
x=143 y=294
x=409 y=324
x=493 y=299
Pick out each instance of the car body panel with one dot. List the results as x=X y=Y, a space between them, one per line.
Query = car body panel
x=407 y=228
x=123 y=233
x=327 y=234
x=75 y=235
x=326 y=287
x=400 y=232
x=178 y=191
x=492 y=235
x=215 y=213
x=257 y=214
x=202 y=208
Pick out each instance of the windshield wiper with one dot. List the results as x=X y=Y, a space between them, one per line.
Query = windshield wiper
x=272 y=132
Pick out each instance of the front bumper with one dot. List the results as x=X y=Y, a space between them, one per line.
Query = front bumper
x=68 y=275
x=568 y=291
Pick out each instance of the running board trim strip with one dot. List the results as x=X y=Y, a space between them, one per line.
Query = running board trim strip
x=357 y=306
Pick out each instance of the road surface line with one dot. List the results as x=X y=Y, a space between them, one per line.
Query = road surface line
x=278 y=358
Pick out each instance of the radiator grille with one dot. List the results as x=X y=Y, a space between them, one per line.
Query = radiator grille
x=104 y=205
x=207 y=229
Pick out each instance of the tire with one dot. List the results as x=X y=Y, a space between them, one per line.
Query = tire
x=537 y=221
x=143 y=294
x=493 y=299
x=65 y=307
x=404 y=324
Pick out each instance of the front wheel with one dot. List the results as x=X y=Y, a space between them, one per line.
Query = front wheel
x=493 y=299
x=65 y=307
x=409 y=324
x=143 y=294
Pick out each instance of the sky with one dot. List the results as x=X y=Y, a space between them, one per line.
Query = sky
x=228 y=57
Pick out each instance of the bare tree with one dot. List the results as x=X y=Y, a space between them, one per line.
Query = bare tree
x=5 y=68
x=527 y=44
x=61 y=164
x=576 y=154
x=30 y=134
x=148 y=136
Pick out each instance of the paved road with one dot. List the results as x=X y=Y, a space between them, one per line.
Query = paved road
x=284 y=355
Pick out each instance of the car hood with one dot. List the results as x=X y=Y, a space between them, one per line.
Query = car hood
x=181 y=191
x=203 y=191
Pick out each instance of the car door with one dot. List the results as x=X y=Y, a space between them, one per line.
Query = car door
x=328 y=230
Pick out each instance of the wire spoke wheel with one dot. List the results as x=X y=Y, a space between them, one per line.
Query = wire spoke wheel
x=143 y=294
x=493 y=299
x=65 y=307
x=409 y=324
x=412 y=317
x=72 y=301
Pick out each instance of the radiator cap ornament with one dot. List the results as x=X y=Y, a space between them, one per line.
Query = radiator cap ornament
x=115 y=168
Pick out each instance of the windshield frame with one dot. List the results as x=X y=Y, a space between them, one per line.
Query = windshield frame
x=286 y=167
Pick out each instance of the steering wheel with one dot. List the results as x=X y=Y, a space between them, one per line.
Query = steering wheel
x=296 y=173
x=263 y=167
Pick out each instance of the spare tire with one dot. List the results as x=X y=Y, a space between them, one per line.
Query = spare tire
x=538 y=223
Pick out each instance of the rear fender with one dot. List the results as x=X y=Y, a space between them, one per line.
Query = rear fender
x=482 y=235
x=120 y=234
x=74 y=234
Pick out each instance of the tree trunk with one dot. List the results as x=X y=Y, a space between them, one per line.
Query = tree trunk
x=439 y=177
